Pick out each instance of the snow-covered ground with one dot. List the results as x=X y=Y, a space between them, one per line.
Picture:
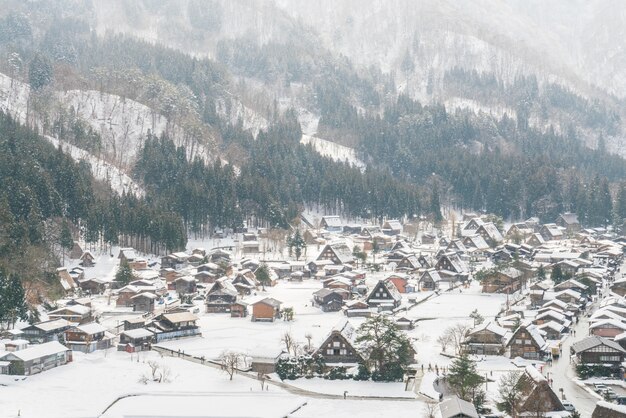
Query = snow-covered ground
x=88 y=385
x=333 y=150
x=354 y=388
x=120 y=182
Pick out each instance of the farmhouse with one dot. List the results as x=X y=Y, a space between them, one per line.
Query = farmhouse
x=88 y=338
x=596 y=349
x=339 y=346
x=37 y=358
x=337 y=253
x=384 y=296
x=267 y=309
x=527 y=342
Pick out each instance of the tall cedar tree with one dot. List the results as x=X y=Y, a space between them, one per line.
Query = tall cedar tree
x=463 y=378
x=387 y=348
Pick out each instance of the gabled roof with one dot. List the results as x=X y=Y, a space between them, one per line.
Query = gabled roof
x=92 y=328
x=492 y=231
x=491 y=327
x=455 y=406
x=180 y=317
x=611 y=323
x=269 y=301
x=569 y=218
x=128 y=253
x=37 y=351
x=333 y=221
x=594 y=341
x=51 y=325
x=535 y=335
x=387 y=285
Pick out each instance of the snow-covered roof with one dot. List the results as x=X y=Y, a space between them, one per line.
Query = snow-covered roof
x=92 y=328
x=37 y=351
x=621 y=409
x=138 y=333
x=534 y=374
x=594 y=341
x=454 y=407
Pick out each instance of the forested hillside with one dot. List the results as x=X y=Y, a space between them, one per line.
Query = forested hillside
x=546 y=151
x=44 y=192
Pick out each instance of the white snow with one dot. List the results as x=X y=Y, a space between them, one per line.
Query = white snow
x=354 y=388
x=120 y=182
x=333 y=150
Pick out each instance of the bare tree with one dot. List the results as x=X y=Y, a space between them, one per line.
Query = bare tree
x=308 y=337
x=231 y=361
x=431 y=409
x=508 y=392
x=289 y=342
x=457 y=334
x=444 y=341
x=154 y=369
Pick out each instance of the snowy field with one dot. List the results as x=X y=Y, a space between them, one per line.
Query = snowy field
x=88 y=385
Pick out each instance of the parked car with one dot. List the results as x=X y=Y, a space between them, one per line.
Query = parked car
x=569 y=407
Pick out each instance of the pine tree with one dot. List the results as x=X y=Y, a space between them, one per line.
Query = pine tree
x=66 y=240
x=263 y=275
x=39 y=72
x=463 y=378
x=124 y=273
x=296 y=244
x=387 y=347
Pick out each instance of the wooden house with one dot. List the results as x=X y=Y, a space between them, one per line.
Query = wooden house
x=384 y=296
x=67 y=281
x=535 y=240
x=487 y=338
x=76 y=313
x=138 y=339
x=490 y=233
x=239 y=309
x=331 y=223
x=519 y=232
x=409 y=263
x=598 y=350
x=451 y=262
x=88 y=338
x=429 y=280
x=552 y=330
x=328 y=300
x=221 y=296
x=607 y=328
x=551 y=232
x=93 y=286
x=527 y=342
x=508 y=280
x=87 y=259
x=175 y=325
x=471 y=226
x=356 y=308
x=143 y=302
x=570 y=296
x=392 y=227
x=606 y=409
x=46 y=331
x=339 y=346
x=400 y=281
x=267 y=309
x=185 y=285
x=337 y=253
x=455 y=407
x=536 y=395
x=37 y=358
x=568 y=221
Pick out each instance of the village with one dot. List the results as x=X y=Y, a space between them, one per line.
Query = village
x=542 y=304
